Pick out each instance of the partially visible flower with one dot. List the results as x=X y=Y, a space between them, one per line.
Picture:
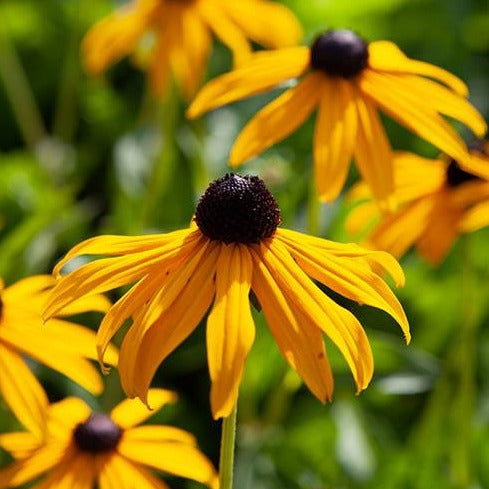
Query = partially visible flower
x=183 y=35
x=61 y=345
x=234 y=248
x=82 y=448
x=348 y=81
x=438 y=202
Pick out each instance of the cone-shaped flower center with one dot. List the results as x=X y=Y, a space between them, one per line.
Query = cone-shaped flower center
x=456 y=176
x=98 y=434
x=237 y=209
x=339 y=53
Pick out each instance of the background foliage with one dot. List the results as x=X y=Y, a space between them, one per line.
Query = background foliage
x=96 y=156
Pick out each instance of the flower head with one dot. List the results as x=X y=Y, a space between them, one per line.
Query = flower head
x=348 y=80
x=81 y=448
x=234 y=248
x=61 y=345
x=438 y=201
x=182 y=31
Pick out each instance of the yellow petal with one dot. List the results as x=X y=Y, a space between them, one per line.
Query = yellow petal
x=268 y=23
x=262 y=72
x=361 y=218
x=117 y=35
x=158 y=434
x=337 y=323
x=42 y=460
x=132 y=412
x=412 y=111
x=25 y=288
x=373 y=153
x=334 y=137
x=147 y=345
x=299 y=339
x=350 y=278
x=20 y=445
x=230 y=327
x=64 y=415
x=386 y=56
x=277 y=120
x=475 y=218
x=226 y=30
x=22 y=391
x=174 y=458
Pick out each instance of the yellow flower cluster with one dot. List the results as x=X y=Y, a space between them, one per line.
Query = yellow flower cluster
x=235 y=246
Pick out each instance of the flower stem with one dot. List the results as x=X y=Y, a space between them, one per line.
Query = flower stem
x=19 y=93
x=313 y=210
x=226 y=461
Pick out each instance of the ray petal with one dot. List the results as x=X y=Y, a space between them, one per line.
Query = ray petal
x=262 y=72
x=158 y=434
x=20 y=444
x=475 y=218
x=277 y=120
x=334 y=137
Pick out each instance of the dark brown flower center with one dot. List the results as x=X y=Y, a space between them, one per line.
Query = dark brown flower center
x=97 y=435
x=236 y=209
x=339 y=53
x=455 y=176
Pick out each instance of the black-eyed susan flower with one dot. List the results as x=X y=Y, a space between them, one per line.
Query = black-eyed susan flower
x=234 y=247
x=182 y=31
x=82 y=448
x=348 y=81
x=61 y=345
x=437 y=202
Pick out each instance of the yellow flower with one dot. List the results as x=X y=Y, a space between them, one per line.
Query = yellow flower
x=234 y=248
x=438 y=201
x=81 y=449
x=182 y=30
x=348 y=80
x=59 y=344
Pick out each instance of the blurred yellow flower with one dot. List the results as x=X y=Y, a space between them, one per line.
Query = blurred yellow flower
x=234 y=248
x=61 y=345
x=438 y=201
x=81 y=449
x=183 y=35
x=348 y=81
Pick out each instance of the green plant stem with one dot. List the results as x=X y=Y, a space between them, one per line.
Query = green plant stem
x=19 y=93
x=226 y=461
x=313 y=210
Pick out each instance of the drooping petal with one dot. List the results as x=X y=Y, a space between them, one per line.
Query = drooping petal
x=475 y=218
x=411 y=111
x=147 y=345
x=350 y=278
x=131 y=412
x=299 y=340
x=268 y=23
x=230 y=327
x=386 y=56
x=117 y=35
x=22 y=392
x=277 y=120
x=445 y=102
x=227 y=31
x=264 y=71
x=109 y=273
x=159 y=70
x=334 y=137
x=337 y=323
x=174 y=458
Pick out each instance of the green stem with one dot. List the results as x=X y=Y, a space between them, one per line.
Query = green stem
x=19 y=93
x=226 y=461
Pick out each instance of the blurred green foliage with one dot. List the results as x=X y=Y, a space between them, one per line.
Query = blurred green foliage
x=108 y=158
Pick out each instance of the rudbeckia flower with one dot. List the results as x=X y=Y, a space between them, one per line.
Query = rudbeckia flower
x=234 y=247
x=438 y=201
x=348 y=81
x=183 y=35
x=82 y=448
x=61 y=345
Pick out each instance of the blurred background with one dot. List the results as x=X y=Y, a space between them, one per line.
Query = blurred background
x=82 y=156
